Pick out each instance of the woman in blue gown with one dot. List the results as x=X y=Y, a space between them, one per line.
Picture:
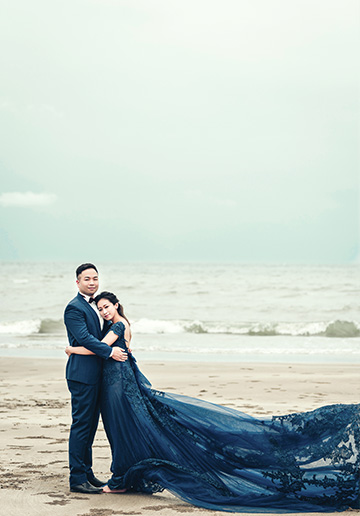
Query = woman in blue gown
x=217 y=457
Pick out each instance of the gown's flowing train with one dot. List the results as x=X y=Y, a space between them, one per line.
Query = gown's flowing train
x=219 y=458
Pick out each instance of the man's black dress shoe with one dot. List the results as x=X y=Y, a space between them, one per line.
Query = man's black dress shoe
x=96 y=482
x=86 y=488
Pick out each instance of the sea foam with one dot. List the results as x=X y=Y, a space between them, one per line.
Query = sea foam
x=332 y=329
x=20 y=327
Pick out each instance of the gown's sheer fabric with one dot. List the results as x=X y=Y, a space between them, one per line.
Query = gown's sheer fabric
x=219 y=458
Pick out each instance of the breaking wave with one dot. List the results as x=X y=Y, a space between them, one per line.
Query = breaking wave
x=333 y=329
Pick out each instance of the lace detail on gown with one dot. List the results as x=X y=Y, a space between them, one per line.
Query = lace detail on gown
x=219 y=458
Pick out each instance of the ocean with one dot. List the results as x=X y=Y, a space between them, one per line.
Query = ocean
x=197 y=312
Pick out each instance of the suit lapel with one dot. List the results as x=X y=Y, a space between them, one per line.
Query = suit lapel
x=106 y=327
x=91 y=312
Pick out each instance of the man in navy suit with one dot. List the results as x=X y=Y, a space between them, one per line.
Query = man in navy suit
x=83 y=373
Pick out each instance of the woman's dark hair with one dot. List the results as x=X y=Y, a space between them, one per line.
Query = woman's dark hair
x=113 y=299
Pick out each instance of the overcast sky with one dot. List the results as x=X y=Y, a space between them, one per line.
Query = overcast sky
x=192 y=130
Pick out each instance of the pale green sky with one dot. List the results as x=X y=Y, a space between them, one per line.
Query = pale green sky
x=179 y=130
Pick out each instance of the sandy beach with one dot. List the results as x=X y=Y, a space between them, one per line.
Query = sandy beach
x=35 y=419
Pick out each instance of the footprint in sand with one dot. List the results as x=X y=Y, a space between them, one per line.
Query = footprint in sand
x=58 y=502
x=13 y=447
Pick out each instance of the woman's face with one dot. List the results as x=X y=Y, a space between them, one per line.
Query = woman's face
x=107 y=310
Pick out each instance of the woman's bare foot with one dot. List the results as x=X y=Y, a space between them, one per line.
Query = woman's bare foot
x=106 y=489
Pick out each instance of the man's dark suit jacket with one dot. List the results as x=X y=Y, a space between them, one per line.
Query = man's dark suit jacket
x=83 y=329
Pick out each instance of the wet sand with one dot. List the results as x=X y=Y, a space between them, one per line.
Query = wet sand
x=35 y=419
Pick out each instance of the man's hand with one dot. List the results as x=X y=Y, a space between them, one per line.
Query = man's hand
x=119 y=354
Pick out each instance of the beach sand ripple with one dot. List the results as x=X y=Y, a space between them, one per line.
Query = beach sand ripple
x=35 y=417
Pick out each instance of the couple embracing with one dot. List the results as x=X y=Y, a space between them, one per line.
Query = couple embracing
x=209 y=455
x=87 y=322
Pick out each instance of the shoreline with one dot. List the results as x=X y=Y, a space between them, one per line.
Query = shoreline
x=193 y=357
x=35 y=407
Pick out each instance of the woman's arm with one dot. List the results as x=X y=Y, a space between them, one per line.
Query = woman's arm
x=81 y=350
x=77 y=350
x=109 y=339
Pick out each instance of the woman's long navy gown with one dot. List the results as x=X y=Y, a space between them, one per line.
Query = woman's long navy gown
x=219 y=458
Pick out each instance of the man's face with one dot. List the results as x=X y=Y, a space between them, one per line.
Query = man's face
x=88 y=282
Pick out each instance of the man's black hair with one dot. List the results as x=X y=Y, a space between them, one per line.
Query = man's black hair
x=83 y=267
